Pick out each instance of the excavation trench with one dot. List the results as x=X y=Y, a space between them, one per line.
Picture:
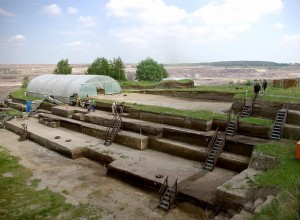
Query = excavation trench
x=167 y=150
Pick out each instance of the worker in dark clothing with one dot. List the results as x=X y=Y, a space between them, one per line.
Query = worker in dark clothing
x=264 y=85
x=256 y=90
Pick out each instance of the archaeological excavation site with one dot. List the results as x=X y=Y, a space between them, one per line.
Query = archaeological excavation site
x=206 y=162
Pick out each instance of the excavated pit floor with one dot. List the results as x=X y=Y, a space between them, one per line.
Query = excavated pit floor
x=171 y=102
x=144 y=164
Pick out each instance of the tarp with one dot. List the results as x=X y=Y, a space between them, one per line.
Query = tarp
x=63 y=86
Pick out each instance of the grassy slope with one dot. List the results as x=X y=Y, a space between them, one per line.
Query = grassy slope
x=286 y=175
x=19 y=198
x=20 y=94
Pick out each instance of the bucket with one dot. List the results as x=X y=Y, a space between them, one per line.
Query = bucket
x=298 y=150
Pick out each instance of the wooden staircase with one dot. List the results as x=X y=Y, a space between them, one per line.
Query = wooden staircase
x=279 y=123
x=112 y=129
x=168 y=195
x=214 y=150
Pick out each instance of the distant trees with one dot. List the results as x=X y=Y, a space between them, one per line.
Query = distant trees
x=114 y=69
x=150 y=70
x=246 y=63
x=25 y=82
x=63 y=67
x=118 y=69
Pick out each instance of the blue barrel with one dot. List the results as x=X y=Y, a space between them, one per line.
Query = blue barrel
x=28 y=105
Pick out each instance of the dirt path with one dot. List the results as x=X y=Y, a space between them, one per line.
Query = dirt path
x=81 y=181
x=172 y=102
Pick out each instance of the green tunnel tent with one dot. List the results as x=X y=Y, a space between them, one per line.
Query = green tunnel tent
x=63 y=86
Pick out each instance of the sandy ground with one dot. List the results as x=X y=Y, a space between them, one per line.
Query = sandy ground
x=166 y=101
x=84 y=181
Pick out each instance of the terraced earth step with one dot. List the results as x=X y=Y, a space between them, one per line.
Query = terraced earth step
x=134 y=166
x=129 y=139
x=226 y=160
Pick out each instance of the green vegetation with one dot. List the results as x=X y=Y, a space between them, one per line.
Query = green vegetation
x=114 y=69
x=148 y=84
x=138 y=83
x=286 y=176
x=11 y=113
x=118 y=69
x=257 y=121
x=205 y=115
x=150 y=70
x=20 y=200
x=25 y=82
x=240 y=91
x=63 y=67
x=21 y=94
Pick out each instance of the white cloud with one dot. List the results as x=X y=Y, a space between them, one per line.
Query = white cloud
x=6 y=13
x=294 y=38
x=236 y=11
x=278 y=25
x=154 y=20
x=78 y=45
x=87 y=21
x=146 y=11
x=52 y=9
x=72 y=10
x=17 y=38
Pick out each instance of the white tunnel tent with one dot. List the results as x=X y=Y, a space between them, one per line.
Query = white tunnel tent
x=63 y=86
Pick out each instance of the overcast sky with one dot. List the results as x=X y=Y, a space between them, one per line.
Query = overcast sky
x=169 y=31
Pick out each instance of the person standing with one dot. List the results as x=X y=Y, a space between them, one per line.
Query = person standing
x=93 y=105
x=256 y=90
x=78 y=101
x=113 y=108
x=264 y=85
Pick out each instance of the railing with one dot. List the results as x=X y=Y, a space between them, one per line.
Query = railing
x=211 y=144
x=112 y=125
x=287 y=107
x=163 y=188
x=220 y=150
x=237 y=121
x=228 y=117
x=173 y=194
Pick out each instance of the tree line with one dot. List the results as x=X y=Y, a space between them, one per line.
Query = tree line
x=147 y=69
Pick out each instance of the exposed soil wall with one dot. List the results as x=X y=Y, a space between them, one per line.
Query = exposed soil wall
x=197 y=124
x=253 y=130
x=266 y=109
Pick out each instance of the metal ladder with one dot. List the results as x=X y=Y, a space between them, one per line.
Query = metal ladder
x=279 y=123
x=112 y=129
x=231 y=125
x=168 y=195
x=214 y=150
x=247 y=109
x=24 y=133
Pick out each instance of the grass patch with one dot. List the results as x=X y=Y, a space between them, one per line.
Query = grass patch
x=19 y=200
x=21 y=94
x=286 y=176
x=205 y=115
x=11 y=113
x=138 y=83
x=82 y=178
x=257 y=121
